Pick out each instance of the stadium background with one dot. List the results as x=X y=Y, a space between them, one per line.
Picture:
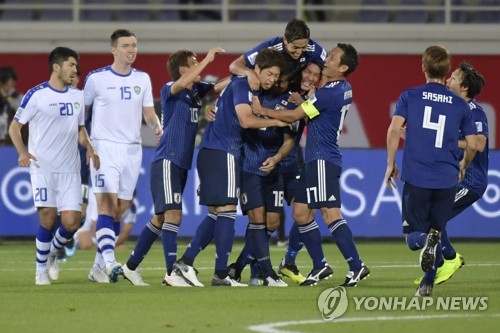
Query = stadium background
x=390 y=62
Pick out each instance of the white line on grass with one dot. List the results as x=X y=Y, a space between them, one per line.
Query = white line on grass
x=275 y=327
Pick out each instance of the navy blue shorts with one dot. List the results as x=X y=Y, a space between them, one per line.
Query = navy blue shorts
x=167 y=183
x=323 y=184
x=291 y=182
x=426 y=208
x=464 y=198
x=219 y=174
x=261 y=191
x=300 y=195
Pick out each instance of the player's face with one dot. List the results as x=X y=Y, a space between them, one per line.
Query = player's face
x=125 y=50
x=454 y=81
x=192 y=61
x=296 y=48
x=332 y=67
x=310 y=76
x=67 y=72
x=268 y=77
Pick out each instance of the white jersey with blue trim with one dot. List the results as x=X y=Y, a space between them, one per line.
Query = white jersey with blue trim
x=117 y=101
x=54 y=117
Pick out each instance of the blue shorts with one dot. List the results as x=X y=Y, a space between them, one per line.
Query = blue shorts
x=219 y=174
x=291 y=182
x=261 y=191
x=300 y=191
x=323 y=186
x=426 y=208
x=167 y=183
x=464 y=198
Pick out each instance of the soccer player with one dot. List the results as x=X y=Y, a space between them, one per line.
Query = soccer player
x=326 y=111
x=55 y=112
x=218 y=166
x=466 y=82
x=433 y=116
x=181 y=105
x=295 y=46
x=119 y=96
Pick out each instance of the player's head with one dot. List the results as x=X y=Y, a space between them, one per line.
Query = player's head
x=310 y=76
x=268 y=66
x=465 y=80
x=76 y=78
x=340 y=62
x=179 y=62
x=124 y=46
x=8 y=78
x=296 y=38
x=62 y=63
x=436 y=62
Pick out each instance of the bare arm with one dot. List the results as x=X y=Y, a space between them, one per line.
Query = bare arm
x=288 y=116
x=84 y=140
x=470 y=152
x=248 y=120
x=221 y=84
x=393 y=136
x=17 y=140
x=285 y=149
x=239 y=67
x=152 y=121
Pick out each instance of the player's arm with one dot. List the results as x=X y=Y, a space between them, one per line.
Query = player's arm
x=393 y=136
x=285 y=149
x=239 y=67
x=84 y=140
x=470 y=152
x=192 y=73
x=17 y=140
x=248 y=120
x=221 y=84
x=288 y=116
x=152 y=121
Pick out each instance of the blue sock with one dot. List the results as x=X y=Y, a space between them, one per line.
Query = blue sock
x=431 y=275
x=246 y=255
x=223 y=239
x=202 y=237
x=448 y=250
x=117 y=227
x=146 y=239
x=169 y=241
x=259 y=246
x=416 y=240
x=43 y=240
x=343 y=238
x=294 y=244
x=61 y=236
x=105 y=233
x=311 y=237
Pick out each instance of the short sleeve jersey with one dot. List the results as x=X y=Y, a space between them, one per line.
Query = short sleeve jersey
x=117 y=101
x=476 y=175
x=434 y=118
x=179 y=116
x=225 y=132
x=54 y=118
x=326 y=110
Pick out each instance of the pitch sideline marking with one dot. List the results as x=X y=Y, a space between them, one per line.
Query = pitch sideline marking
x=275 y=327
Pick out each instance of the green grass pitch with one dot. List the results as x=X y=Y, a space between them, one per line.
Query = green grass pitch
x=73 y=304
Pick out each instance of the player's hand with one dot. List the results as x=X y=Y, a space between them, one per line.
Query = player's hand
x=461 y=173
x=25 y=158
x=253 y=80
x=391 y=173
x=256 y=106
x=212 y=53
x=158 y=134
x=210 y=113
x=268 y=165
x=91 y=155
x=295 y=98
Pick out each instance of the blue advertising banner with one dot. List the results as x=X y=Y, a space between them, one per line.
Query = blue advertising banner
x=369 y=207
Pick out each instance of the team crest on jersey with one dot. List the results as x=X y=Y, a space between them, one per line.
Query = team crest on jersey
x=137 y=90
x=244 y=198
x=77 y=106
x=177 y=198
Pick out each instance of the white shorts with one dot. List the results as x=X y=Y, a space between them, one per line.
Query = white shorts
x=91 y=213
x=60 y=190
x=120 y=167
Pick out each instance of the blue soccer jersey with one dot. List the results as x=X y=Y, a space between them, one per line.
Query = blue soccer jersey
x=434 y=115
x=259 y=144
x=225 y=132
x=476 y=176
x=314 y=52
x=180 y=114
x=326 y=110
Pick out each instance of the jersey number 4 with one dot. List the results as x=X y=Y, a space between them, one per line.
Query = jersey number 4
x=438 y=127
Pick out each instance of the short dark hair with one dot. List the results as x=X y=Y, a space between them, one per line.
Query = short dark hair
x=296 y=29
x=350 y=57
x=59 y=55
x=7 y=73
x=179 y=58
x=437 y=61
x=471 y=79
x=120 y=33
x=268 y=58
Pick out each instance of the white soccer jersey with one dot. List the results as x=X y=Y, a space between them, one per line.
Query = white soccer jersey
x=117 y=104
x=54 y=117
